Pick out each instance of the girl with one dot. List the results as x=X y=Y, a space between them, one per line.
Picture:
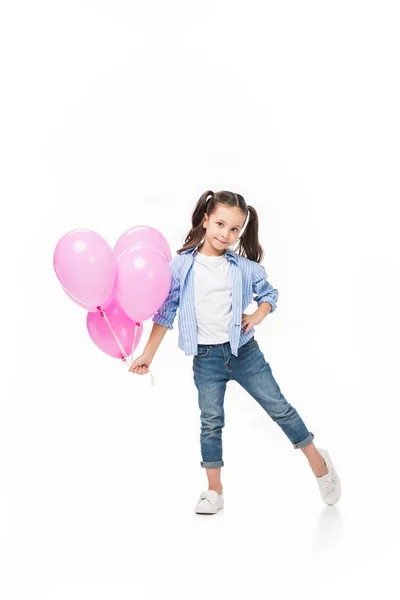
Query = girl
x=212 y=285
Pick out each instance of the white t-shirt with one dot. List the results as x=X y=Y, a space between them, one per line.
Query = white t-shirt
x=213 y=298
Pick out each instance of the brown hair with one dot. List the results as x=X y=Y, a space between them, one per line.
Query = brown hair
x=248 y=245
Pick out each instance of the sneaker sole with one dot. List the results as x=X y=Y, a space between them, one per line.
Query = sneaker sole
x=198 y=512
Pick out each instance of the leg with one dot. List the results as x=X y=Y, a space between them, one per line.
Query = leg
x=316 y=461
x=214 y=479
x=212 y=418
x=254 y=374
x=211 y=377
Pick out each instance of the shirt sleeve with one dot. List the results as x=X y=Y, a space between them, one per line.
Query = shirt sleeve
x=165 y=315
x=263 y=290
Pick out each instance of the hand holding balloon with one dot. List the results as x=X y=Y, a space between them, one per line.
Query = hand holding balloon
x=141 y=364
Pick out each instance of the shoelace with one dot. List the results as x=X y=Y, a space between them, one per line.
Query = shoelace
x=329 y=479
x=203 y=496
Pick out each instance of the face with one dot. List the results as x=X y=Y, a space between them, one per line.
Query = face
x=224 y=226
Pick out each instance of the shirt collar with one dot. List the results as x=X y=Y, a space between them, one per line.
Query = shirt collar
x=230 y=254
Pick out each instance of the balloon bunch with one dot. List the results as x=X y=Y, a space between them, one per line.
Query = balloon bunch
x=119 y=288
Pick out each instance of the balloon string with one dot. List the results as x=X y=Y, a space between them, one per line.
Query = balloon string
x=135 y=333
x=103 y=314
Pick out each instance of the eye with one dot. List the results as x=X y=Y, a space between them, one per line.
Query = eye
x=235 y=228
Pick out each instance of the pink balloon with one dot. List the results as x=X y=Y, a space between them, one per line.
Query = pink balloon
x=87 y=306
x=143 y=281
x=142 y=235
x=123 y=327
x=85 y=266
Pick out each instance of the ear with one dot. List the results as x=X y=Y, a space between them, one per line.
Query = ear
x=205 y=221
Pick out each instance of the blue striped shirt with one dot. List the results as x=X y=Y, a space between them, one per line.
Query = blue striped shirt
x=248 y=278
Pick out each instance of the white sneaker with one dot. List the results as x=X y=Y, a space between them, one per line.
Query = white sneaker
x=209 y=503
x=329 y=484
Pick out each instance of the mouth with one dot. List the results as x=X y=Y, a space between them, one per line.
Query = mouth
x=219 y=241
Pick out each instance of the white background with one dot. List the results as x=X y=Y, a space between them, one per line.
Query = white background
x=124 y=113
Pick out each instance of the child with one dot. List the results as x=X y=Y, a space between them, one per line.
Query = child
x=212 y=285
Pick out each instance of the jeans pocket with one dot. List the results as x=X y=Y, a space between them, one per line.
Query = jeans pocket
x=250 y=344
x=202 y=350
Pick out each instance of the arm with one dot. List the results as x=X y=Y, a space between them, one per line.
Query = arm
x=263 y=310
x=156 y=337
x=266 y=295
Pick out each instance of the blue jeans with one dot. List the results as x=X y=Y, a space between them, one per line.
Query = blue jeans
x=213 y=366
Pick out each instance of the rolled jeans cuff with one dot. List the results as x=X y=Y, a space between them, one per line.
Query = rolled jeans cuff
x=305 y=442
x=210 y=465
